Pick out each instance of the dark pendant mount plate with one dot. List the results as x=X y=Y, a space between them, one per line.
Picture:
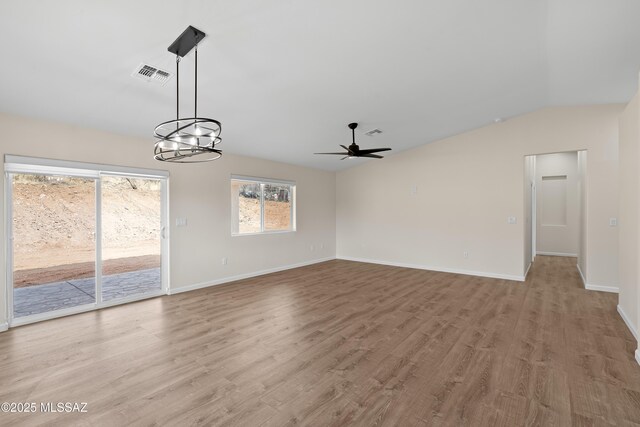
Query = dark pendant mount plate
x=186 y=41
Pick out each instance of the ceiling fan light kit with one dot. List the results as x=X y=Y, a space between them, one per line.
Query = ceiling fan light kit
x=192 y=139
x=354 y=150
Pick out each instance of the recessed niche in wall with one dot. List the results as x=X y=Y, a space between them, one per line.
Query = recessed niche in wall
x=553 y=196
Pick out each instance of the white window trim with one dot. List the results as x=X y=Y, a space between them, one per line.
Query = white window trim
x=262 y=182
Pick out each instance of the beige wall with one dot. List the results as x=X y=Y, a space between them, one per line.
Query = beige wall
x=467 y=187
x=199 y=192
x=557 y=239
x=628 y=216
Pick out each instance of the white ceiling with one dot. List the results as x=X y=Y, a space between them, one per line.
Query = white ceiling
x=285 y=77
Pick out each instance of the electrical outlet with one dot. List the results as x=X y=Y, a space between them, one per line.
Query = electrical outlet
x=311 y=248
x=465 y=254
x=224 y=260
x=181 y=222
x=613 y=222
x=512 y=220
x=321 y=245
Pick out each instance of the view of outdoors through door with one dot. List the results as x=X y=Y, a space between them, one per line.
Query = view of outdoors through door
x=53 y=242
x=131 y=245
x=54 y=247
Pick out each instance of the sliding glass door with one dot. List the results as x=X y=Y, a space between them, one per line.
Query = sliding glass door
x=82 y=239
x=131 y=236
x=53 y=242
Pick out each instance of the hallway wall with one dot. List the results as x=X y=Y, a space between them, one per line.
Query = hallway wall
x=628 y=301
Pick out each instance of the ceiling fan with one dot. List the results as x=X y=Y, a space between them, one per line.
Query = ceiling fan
x=354 y=150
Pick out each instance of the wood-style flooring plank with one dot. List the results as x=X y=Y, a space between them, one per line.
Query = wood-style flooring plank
x=338 y=343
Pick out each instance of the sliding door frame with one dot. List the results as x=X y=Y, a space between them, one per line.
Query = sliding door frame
x=164 y=238
x=38 y=166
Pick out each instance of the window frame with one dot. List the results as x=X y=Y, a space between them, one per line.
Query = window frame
x=262 y=182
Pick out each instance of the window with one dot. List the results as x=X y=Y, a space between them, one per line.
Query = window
x=262 y=205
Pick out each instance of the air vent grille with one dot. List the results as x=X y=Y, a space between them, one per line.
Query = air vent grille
x=150 y=73
x=162 y=76
x=147 y=70
x=373 y=132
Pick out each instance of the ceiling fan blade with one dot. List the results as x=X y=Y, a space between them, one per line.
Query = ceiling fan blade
x=374 y=150
x=340 y=154
x=373 y=156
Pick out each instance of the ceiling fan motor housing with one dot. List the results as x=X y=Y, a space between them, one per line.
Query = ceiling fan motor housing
x=353 y=150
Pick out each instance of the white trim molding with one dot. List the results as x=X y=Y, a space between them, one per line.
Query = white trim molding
x=612 y=289
x=638 y=356
x=628 y=322
x=245 y=276
x=439 y=269
x=599 y=288
x=557 y=254
x=526 y=273
x=584 y=281
x=4 y=326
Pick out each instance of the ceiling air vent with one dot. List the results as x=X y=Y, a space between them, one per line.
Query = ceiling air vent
x=373 y=132
x=149 y=73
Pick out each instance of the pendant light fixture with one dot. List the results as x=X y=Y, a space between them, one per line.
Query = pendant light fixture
x=191 y=139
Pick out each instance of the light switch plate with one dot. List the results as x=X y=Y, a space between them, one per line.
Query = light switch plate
x=613 y=222
x=512 y=220
x=181 y=222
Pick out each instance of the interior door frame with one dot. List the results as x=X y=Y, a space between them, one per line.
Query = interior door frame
x=534 y=219
x=38 y=166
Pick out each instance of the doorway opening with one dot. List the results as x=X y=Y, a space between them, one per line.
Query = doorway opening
x=82 y=237
x=555 y=207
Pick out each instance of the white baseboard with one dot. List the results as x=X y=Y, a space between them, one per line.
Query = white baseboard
x=584 y=281
x=527 y=272
x=557 y=254
x=4 y=326
x=638 y=356
x=628 y=322
x=245 y=276
x=612 y=289
x=600 y=288
x=440 y=269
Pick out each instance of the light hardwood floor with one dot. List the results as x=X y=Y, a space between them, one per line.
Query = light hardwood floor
x=338 y=343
